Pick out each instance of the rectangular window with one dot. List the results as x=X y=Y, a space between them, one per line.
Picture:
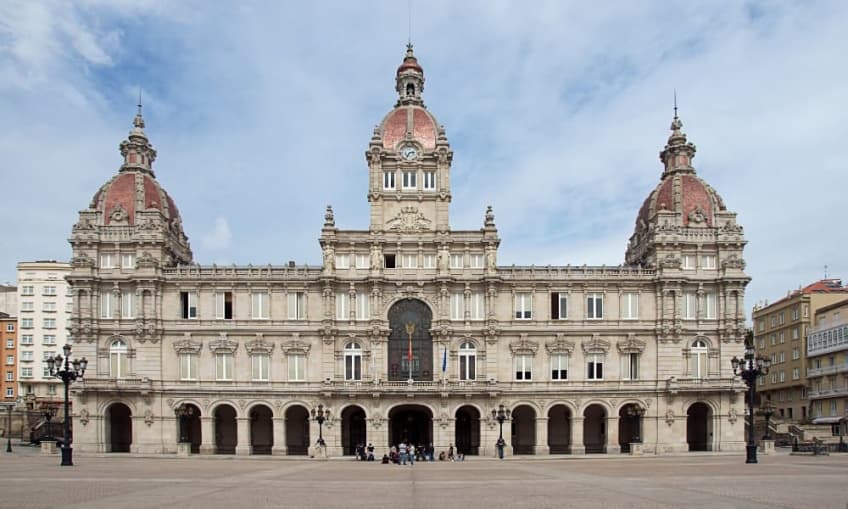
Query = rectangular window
x=224 y=305
x=782 y=337
x=689 y=262
x=467 y=366
x=782 y=356
x=105 y=304
x=796 y=354
x=342 y=306
x=389 y=261
x=559 y=305
x=26 y=323
x=26 y=339
x=429 y=261
x=27 y=290
x=353 y=367
x=49 y=339
x=795 y=333
x=223 y=366
x=689 y=304
x=429 y=180
x=782 y=376
x=523 y=306
x=796 y=373
x=476 y=261
x=10 y=392
x=761 y=325
x=48 y=354
x=107 y=261
x=409 y=180
x=389 y=180
x=363 y=311
x=559 y=366
x=118 y=364
x=297 y=305
x=50 y=307
x=25 y=372
x=630 y=366
x=27 y=306
x=361 y=261
x=26 y=356
x=49 y=323
x=10 y=376
x=188 y=366
x=409 y=261
x=708 y=262
x=127 y=304
x=10 y=343
x=773 y=339
x=342 y=261
x=260 y=367
x=188 y=305
x=478 y=311
x=456 y=261
x=595 y=366
x=595 y=306
x=457 y=306
x=297 y=368
x=523 y=367
x=796 y=314
x=709 y=305
x=629 y=306
x=260 y=308
x=127 y=261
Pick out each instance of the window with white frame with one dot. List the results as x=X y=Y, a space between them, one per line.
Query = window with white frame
x=595 y=306
x=595 y=366
x=26 y=372
x=796 y=354
x=297 y=305
x=361 y=261
x=559 y=305
x=188 y=366
x=629 y=306
x=523 y=305
x=27 y=305
x=26 y=323
x=10 y=376
x=796 y=373
x=456 y=261
x=689 y=262
x=795 y=334
x=782 y=376
x=429 y=261
x=389 y=180
x=260 y=306
x=119 y=362
x=49 y=323
x=457 y=306
x=781 y=337
x=48 y=354
x=698 y=358
x=106 y=304
x=467 y=361
x=188 y=305
x=773 y=339
x=127 y=261
x=353 y=361
x=409 y=261
x=26 y=356
x=223 y=366
x=260 y=367
x=342 y=261
x=48 y=339
x=224 y=305
x=342 y=306
x=297 y=367
x=523 y=367
x=127 y=304
x=761 y=326
x=476 y=261
x=710 y=305
x=27 y=290
x=26 y=339
x=10 y=392
x=689 y=305
x=708 y=262
x=363 y=311
x=796 y=313
x=429 y=180
x=50 y=307
x=630 y=366
x=409 y=180
x=781 y=318
x=10 y=343
x=107 y=261
x=559 y=366
x=477 y=303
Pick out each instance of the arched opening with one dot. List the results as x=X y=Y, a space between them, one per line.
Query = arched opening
x=595 y=429
x=119 y=427
x=559 y=429
x=410 y=322
x=523 y=430
x=629 y=425
x=353 y=429
x=226 y=433
x=261 y=430
x=467 y=431
x=410 y=89
x=698 y=427
x=297 y=431
x=412 y=423
x=188 y=421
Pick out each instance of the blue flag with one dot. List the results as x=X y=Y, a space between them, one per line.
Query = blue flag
x=445 y=360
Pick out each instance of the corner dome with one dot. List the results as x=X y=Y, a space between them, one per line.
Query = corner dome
x=687 y=195
x=417 y=122
x=127 y=193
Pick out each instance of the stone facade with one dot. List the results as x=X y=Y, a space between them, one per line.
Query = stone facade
x=408 y=329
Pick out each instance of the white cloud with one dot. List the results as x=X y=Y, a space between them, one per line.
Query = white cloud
x=219 y=238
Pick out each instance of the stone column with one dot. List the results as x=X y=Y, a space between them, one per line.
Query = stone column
x=243 y=436
x=377 y=432
x=577 y=446
x=613 y=446
x=207 y=434
x=542 y=448
x=279 y=448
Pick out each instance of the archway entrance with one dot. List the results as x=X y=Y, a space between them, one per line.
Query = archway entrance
x=698 y=427
x=297 y=431
x=353 y=429
x=119 y=427
x=405 y=316
x=467 y=431
x=629 y=426
x=261 y=430
x=410 y=422
x=189 y=427
x=523 y=430
x=594 y=429
x=226 y=433
x=559 y=430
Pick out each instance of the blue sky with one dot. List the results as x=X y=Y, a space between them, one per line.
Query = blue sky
x=556 y=111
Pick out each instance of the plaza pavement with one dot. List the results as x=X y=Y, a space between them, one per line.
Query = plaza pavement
x=29 y=480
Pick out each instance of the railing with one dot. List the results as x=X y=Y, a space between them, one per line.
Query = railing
x=119 y=384
x=835 y=392
x=828 y=370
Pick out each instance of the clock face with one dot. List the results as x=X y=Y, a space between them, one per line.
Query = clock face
x=409 y=153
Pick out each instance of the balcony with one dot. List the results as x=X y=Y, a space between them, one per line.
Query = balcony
x=836 y=392
x=829 y=370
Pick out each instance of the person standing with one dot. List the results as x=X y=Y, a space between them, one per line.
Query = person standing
x=403 y=451
x=370 y=452
x=500 y=444
x=411 y=454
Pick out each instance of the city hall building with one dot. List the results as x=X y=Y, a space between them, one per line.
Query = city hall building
x=409 y=329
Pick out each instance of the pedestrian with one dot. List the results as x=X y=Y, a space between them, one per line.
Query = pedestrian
x=431 y=451
x=411 y=454
x=404 y=452
x=370 y=452
x=450 y=453
x=500 y=444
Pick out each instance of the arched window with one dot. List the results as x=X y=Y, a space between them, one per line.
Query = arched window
x=353 y=362
x=118 y=360
x=698 y=359
x=410 y=89
x=467 y=361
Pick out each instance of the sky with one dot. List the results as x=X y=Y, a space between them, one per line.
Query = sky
x=556 y=111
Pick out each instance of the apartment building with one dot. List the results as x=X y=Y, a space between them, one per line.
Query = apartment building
x=827 y=364
x=8 y=357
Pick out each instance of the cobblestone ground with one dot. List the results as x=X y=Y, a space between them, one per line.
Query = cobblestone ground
x=28 y=480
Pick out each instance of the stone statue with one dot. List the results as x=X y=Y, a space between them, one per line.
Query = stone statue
x=329 y=259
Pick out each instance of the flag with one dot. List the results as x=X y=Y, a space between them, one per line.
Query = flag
x=445 y=360
x=409 y=353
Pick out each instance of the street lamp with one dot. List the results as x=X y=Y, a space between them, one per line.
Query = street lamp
x=767 y=411
x=749 y=368
x=635 y=412
x=71 y=371
x=185 y=413
x=9 y=407
x=320 y=416
x=49 y=411
x=501 y=414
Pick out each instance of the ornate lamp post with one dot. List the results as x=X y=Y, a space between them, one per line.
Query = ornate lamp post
x=9 y=407
x=501 y=414
x=71 y=371
x=635 y=412
x=320 y=416
x=49 y=411
x=767 y=411
x=749 y=368
x=185 y=413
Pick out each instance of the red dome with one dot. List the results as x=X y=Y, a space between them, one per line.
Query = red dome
x=421 y=122
x=410 y=63
x=118 y=199
x=696 y=201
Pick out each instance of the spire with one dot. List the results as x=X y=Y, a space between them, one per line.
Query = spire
x=409 y=81
x=678 y=153
x=137 y=151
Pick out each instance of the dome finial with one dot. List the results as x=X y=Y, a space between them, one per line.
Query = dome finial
x=138 y=121
x=409 y=81
x=678 y=153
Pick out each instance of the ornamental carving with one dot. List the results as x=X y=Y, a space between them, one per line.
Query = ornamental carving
x=733 y=262
x=187 y=345
x=82 y=261
x=670 y=262
x=524 y=346
x=119 y=214
x=408 y=220
x=148 y=417
x=559 y=345
x=697 y=217
x=631 y=345
x=731 y=416
x=146 y=260
x=259 y=346
x=83 y=417
x=223 y=345
x=669 y=417
x=296 y=347
x=595 y=345
x=731 y=227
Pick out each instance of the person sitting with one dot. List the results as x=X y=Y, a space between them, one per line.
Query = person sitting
x=442 y=456
x=460 y=456
x=385 y=460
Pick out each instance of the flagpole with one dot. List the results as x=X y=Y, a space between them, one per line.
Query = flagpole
x=410 y=329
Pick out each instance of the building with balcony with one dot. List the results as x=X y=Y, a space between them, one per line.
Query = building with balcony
x=9 y=357
x=408 y=329
x=827 y=363
x=780 y=330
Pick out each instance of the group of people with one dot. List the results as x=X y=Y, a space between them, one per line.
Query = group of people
x=408 y=453
x=364 y=453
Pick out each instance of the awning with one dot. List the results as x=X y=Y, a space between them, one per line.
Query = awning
x=827 y=420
